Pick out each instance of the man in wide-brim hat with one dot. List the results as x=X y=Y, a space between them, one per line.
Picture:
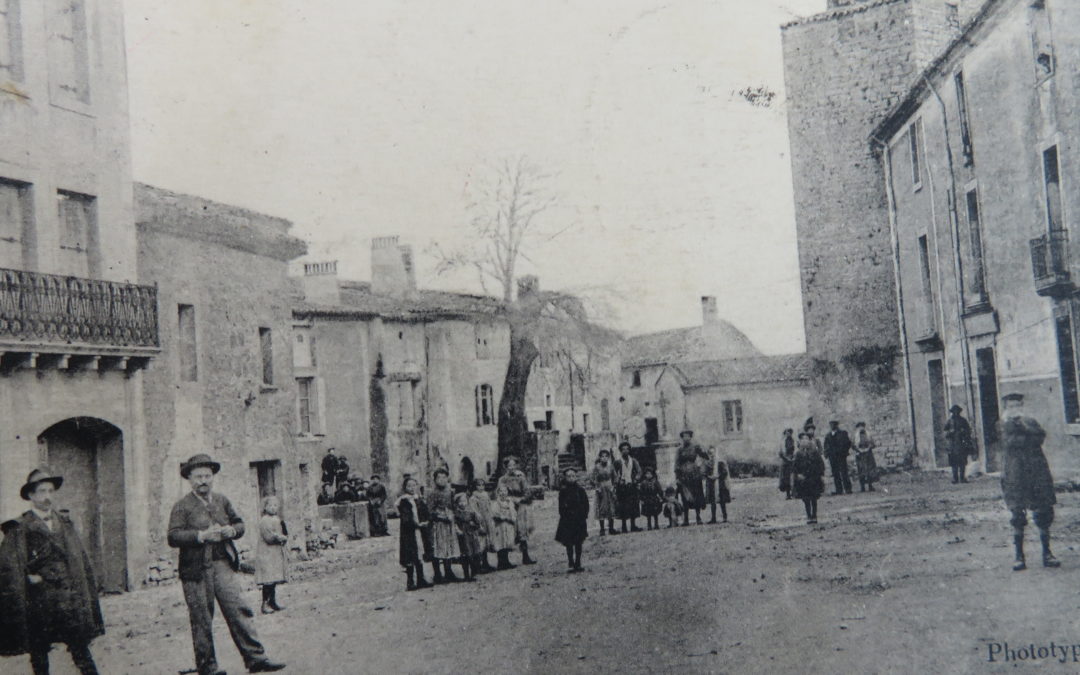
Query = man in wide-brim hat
x=203 y=525
x=959 y=443
x=48 y=596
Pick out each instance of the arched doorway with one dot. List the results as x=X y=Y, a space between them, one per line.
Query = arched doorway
x=89 y=454
x=465 y=471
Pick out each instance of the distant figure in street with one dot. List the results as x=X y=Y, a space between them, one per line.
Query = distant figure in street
x=837 y=449
x=808 y=475
x=672 y=508
x=959 y=443
x=203 y=525
x=517 y=486
x=271 y=554
x=573 y=526
x=652 y=498
x=787 y=460
x=47 y=588
x=470 y=535
x=688 y=475
x=329 y=467
x=412 y=534
x=627 y=475
x=504 y=515
x=341 y=475
x=327 y=496
x=346 y=494
x=865 y=464
x=481 y=503
x=376 y=494
x=445 y=549
x=603 y=476
x=1026 y=481
x=721 y=494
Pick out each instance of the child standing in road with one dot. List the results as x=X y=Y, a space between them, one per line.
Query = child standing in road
x=652 y=497
x=809 y=471
x=413 y=515
x=672 y=507
x=444 y=541
x=573 y=519
x=504 y=515
x=470 y=533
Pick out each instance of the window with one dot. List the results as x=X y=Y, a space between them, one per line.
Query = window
x=485 y=405
x=11 y=66
x=69 y=61
x=978 y=272
x=585 y=422
x=915 y=139
x=406 y=417
x=965 y=126
x=605 y=415
x=1042 y=41
x=1067 y=363
x=189 y=361
x=636 y=379
x=309 y=405
x=266 y=349
x=1052 y=181
x=78 y=230
x=733 y=418
x=485 y=336
x=927 y=287
x=16 y=221
x=547 y=400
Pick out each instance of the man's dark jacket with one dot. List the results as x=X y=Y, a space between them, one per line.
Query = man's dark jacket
x=189 y=516
x=838 y=445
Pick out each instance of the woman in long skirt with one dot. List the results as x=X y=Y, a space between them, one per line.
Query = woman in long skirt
x=573 y=526
x=808 y=474
x=787 y=459
x=627 y=475
x=865 y=464
x=470 y=531
x=444 y=541
x=412 y=512
x=603 y=476
x=270 y=555
x=480 y=502
x=652 y=497
x=723 y=494
x=504 y=515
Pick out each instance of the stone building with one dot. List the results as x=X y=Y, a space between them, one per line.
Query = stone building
x=223 y=383
x=75 y=332
x=978 y=158
x=844 y=69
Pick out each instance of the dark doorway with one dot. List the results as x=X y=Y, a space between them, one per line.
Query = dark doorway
x=266 y=477
x=936 y=375
x=988 y=406
x=465 y=471
x=549 y=420
x=89 y=454
x=652 y=431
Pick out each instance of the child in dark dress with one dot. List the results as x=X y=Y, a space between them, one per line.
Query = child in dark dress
x=412 y=539
x=573 y=519
x=672 y=507
x=652 y=498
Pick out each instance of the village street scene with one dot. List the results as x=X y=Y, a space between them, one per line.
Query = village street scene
x=716 y=336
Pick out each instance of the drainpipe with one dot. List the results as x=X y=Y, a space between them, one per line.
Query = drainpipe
x=895 y=241
x=958 y=265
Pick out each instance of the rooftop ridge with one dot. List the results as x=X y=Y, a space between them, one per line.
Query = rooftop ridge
x=838 y=12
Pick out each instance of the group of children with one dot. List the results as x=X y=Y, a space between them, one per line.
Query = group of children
x=448 y=528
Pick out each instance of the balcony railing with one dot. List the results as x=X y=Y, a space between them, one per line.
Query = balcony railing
x=1050 y=263
x=48 y=309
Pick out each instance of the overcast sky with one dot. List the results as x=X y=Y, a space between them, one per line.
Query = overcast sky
x=363 y=119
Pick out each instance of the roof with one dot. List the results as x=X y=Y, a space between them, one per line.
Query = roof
x=357 y=301
x=711 y=342
x=838 y=12
x=762 y=369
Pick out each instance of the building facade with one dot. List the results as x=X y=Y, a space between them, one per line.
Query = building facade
x=843 y=70
x=75 y=332
x=978 y=160
x=223 y=383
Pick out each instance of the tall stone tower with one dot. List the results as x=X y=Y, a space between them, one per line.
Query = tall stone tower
x=844 y=69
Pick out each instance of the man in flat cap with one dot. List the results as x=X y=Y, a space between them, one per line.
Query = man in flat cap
x=689 y=475
x=203 y=526
x=47 y=589
x=1025 y=480
x=959 y=443
x=837 y=449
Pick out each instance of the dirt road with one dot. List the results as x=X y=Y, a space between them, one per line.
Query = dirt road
x=913 y=578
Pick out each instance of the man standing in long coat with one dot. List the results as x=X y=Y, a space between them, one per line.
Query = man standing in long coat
x=837 y=449
x=376 y=494
x=47 y=588
x=203 y=525
x=959 y=443
x=1026 y=481
x=330 y=468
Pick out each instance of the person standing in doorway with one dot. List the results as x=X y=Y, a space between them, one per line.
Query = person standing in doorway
x=203 y=525
x=787 y=458
x=959 y=443
x=271 y=556
x=837 y=449
x=1026 y=480
x=688 y=475
x=573 y=526
x=47 y=589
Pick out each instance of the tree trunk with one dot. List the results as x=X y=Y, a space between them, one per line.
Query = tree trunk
x=513 y=422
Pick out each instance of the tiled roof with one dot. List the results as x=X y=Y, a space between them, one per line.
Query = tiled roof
x=715 y=341
x=782 y=368
x=358 y=300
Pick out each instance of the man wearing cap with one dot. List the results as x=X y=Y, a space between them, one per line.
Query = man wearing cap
x=1026 y=481
x=376 y=494
x=837 y=448
x=958 y=443
x=330 y=468
x=203 y=526
x=688 y=475
x=47 y=588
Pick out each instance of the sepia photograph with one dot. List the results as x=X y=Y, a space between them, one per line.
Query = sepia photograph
x=493 y=336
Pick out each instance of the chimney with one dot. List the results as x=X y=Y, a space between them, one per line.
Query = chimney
x=709 y=315
x=392 y=270
x=320 y=282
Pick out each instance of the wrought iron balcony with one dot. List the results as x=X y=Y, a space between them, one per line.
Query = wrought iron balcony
x=1050 y=264
x=72 y=317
